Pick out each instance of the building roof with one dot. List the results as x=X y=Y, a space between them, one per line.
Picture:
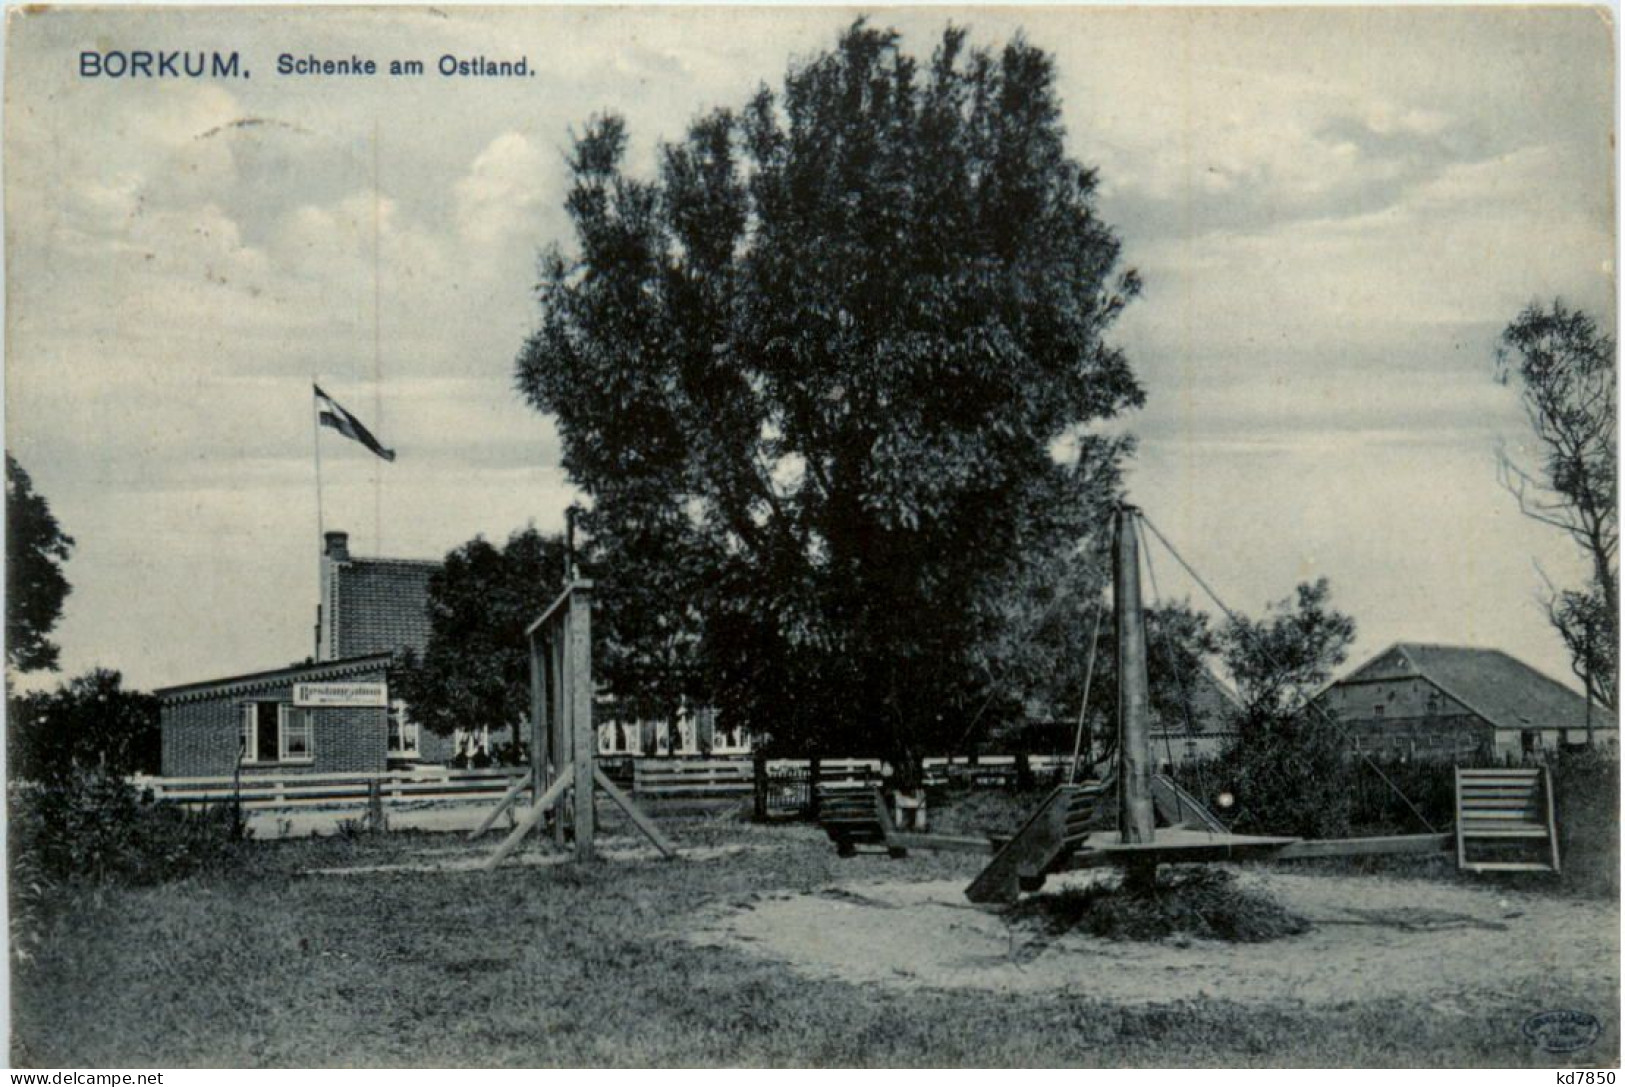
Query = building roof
x=1498 y=687
x=276 y=677
x=1212 y=703
x=380 y=605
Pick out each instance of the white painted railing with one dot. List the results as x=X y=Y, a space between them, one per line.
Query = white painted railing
x=260 y=790
x=263 y=790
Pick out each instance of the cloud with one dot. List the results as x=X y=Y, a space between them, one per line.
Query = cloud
x=1334 y=210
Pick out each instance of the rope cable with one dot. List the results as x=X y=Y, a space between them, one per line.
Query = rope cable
x=1173 y=663
x=1088 y=681
x=998 y=683
x=1326 y=717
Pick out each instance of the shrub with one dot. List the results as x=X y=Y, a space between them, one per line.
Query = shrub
x=1586 y=784
x=1289 y=776
x=90 y=828
x=1201 y=903
x=90 y=722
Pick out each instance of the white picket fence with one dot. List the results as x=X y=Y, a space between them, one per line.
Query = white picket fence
x=262 y=791
x=655 y=777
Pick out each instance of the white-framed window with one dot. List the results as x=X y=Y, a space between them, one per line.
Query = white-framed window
x=298 y=734
x=272 y=732
x=403 y=731
x=728 y=741
x=616 y=737
x=472 y=741
x=688 y=734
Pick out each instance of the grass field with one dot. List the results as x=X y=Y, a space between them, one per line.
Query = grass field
x=589 y=965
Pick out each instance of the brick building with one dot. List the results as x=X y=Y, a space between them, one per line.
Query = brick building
x=1210 y=727
x=1457 y=703
x=274 y=722
x=370 y=610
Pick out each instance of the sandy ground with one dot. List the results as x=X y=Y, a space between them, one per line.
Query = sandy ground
x=470 y=858
x=1373 y=937
x=316 y=823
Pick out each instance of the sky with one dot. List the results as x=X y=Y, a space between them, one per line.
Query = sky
x=1334 y=211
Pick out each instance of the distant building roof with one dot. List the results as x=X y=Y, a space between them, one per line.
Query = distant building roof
x=380 y=605
x=309 y=671
x=1212 y=705
x=1494 y=685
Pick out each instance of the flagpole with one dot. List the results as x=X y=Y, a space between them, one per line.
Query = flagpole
x=316 y=445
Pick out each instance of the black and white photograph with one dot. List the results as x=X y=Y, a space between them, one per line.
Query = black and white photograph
x=923 y=537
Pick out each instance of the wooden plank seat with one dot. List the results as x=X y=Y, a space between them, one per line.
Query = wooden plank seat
x=1043 y=843
x=856 y=816
x=1505 y=811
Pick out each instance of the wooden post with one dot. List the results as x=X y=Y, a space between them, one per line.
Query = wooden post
x=759 y=768
x=538 y=717
x=813 y=773
x=585 y=740
x=1136 y=810
x=558 y=733
x=375 y=806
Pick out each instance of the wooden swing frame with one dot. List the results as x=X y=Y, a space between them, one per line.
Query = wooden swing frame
x=564 y=773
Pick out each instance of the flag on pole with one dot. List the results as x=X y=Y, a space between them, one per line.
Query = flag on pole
x=331 y=414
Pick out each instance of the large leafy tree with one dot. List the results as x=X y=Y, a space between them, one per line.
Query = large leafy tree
x=814 y=374
x=1289 y=761
x=92 y=722
x=1565 y=371
x=475 y=669
x=36 y=548
x=1041 y=660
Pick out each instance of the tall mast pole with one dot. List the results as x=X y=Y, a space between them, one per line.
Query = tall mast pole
x=321 y=527
x=1136 y=814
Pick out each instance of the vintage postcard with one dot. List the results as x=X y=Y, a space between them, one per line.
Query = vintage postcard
x=909 y=537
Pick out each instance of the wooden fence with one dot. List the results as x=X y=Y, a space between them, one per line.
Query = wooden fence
x=261 y=791
x=671 y=783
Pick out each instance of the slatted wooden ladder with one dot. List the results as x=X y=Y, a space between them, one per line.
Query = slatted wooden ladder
x=1509 y=812
x=855 y=816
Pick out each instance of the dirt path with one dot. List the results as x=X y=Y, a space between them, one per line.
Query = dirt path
x=472 y=857
x=1373 y=937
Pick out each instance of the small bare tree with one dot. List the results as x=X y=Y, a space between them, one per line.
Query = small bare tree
x=1565 y=371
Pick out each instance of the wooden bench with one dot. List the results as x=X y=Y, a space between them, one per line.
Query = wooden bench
x=855 y=817
x=1510 y=814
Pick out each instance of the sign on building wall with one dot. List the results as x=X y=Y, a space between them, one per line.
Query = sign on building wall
x=341 y=694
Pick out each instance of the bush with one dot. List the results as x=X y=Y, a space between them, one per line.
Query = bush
x=91 y=722
x=87 y=828
x=1288 y=776
x=1199 y=903
x=1586 y=784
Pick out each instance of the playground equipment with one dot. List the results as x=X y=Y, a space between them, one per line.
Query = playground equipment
x=564 y=745
x=1510 y=813
x=1500 y=807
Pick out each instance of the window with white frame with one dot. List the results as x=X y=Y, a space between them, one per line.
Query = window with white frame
x=725 y=739
x=298 y=734
x=273 y=732
x=469 y=742
x=616 y=737
x=403 y=731
x=688 y=739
